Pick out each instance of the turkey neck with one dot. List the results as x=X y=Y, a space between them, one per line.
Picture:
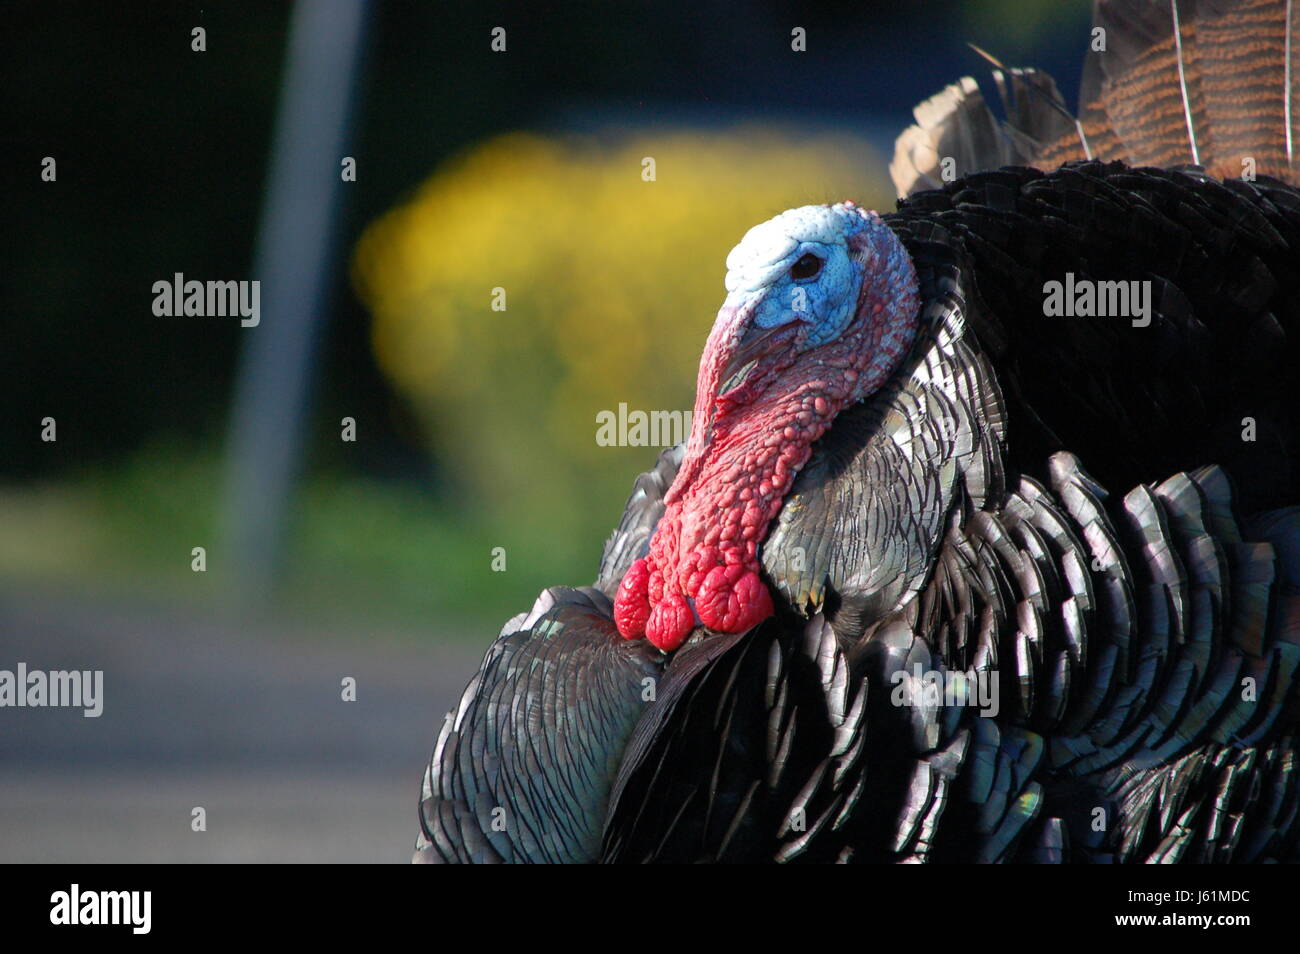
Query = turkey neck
x=730 y=490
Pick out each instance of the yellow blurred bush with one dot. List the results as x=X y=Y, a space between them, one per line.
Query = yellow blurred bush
x=610 y=285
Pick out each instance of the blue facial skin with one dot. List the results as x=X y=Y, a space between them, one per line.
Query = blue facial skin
x=798 y=266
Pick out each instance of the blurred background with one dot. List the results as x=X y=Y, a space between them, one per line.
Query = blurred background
x=494 y=269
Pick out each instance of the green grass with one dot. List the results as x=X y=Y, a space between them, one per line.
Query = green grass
x=355 y=548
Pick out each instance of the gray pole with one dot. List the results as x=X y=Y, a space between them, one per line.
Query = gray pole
x=295 y=263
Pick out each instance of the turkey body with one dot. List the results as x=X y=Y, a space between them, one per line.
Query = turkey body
x=1145 y=636
x=1126 y=609
x=1037 y=598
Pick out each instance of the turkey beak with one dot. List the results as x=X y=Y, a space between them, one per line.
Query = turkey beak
x=754 y=344
x=736 y=347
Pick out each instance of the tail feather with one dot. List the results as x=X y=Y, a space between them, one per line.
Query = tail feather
x=956 y=133
x=1213 y=83
x=1036 y=112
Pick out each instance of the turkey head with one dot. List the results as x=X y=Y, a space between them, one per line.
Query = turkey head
x=821 y=307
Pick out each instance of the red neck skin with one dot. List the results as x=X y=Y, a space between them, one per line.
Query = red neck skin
x=745 y=449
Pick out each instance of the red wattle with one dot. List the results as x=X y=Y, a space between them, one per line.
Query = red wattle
x=632 y=602
x=671 y=621
x=733 y=598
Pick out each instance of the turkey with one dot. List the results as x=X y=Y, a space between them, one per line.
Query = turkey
x=984 y=545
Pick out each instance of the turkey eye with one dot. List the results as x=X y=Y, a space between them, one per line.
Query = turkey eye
x=806 y=267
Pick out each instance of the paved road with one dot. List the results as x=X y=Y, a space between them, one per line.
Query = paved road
x=242 y=719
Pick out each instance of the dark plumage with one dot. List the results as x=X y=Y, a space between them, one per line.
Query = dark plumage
x=523 y=767
x=1064 y=503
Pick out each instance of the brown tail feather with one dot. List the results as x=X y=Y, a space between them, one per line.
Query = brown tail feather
x=1229 y=101
x=1210 y=82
